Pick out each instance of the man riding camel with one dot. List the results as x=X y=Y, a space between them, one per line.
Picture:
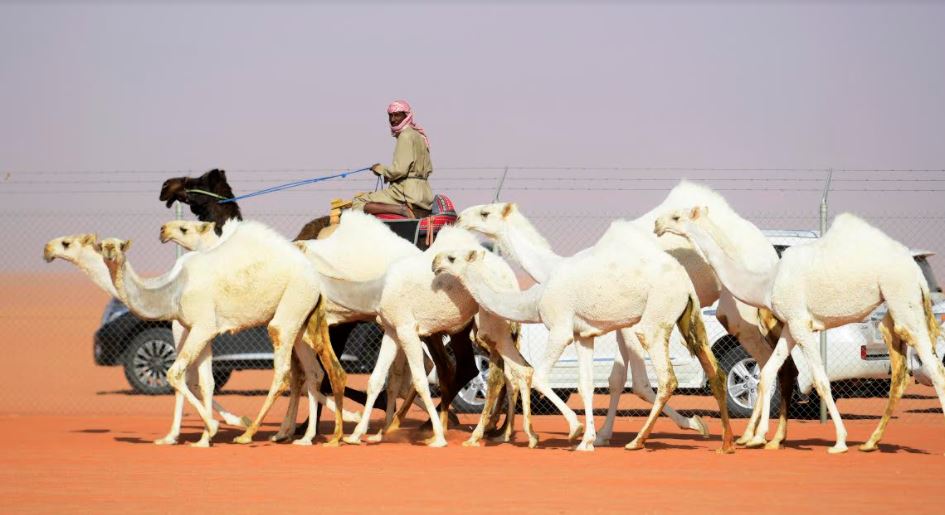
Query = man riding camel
x=408 y=193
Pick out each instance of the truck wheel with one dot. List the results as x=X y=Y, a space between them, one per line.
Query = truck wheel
x=147 y=359
x=742 y=375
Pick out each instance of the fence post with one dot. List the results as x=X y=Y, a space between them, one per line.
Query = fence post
x=179 y=215
x=498 y=188
x=823 y=334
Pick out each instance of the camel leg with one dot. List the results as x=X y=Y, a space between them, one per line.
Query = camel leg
x=506 y=435
x=494 y=385
x=394 y=386
x=518 y=372
x=193 y=345
x=617 y=380
x=283 y=342
x=385 y=358
x=447 y=380
x=787 y=380
x=585 y=352
x=557 y=341
x=765 y=389
x=318 y=335
x=180 y=335
x=205 y=384
x=810 y=345
x=296 y=380
x=412 y=347
x=716 y=380
x=309 y=377
x=897 y=385
x=656 y=340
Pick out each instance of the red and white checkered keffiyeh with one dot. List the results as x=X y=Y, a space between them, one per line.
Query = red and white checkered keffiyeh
x=401 y=106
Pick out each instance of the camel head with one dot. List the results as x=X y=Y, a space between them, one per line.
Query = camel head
x=206 y=207
x=486 y=219
x=677 y=222
x=455 y=262
x=187 y=234
x=68 y=247
x=113 y=249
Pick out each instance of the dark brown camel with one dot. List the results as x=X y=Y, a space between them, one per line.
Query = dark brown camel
x=203 y=195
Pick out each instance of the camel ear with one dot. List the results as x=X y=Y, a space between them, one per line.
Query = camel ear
x=697 y=212
x=474 y=255
x=97 y=246
x=204 y=227
x=89 y=239
x=125 y=245
x=508 y=209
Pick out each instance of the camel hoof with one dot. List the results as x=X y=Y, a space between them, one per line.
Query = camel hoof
x=352 y=440
x=213 y=427
x=167 y=440
x=585 y=447
x=758 y=441
x=602 y=441
x=837 y=449
x=744 y=439
x=532 y=442
x=471 y=443
x=203 y=443
x=773 y=445
x=725 y=450
x=244 y=422
x=279 y=437
x=303 y=442
x=577 y=430
x=243 y=439
x=378 y=438
x=635 y=446
x=868 y=447
x=437 y=442
x=699 y=426
x=335 y=442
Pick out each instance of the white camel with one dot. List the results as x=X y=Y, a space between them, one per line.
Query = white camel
x=504 y=224
x=253 y=276
x=411 y=302
x=817 y=286
x=517 y=238
x=200 y=236
x=625 y=280
x=80 y=250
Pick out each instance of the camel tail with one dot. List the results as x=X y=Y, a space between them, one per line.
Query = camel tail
x=934 y=330
x=769 y=326
x=691 y=326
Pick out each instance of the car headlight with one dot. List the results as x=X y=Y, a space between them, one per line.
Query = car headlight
x=113 y=310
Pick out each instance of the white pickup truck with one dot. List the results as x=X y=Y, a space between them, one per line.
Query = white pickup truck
x=854 y=351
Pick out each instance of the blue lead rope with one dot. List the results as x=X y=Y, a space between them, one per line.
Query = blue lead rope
x=293 y=185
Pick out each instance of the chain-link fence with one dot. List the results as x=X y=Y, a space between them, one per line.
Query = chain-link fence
x=72 y=349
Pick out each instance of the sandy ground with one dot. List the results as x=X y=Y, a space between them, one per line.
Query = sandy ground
x=73 y=437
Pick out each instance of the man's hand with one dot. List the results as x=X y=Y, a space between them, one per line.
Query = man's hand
x=376 y=168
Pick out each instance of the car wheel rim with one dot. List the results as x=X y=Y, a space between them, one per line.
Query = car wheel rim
x=474 y=393
x=151 y=362
x=743 y=381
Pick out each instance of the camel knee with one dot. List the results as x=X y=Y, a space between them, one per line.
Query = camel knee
x=177 y=376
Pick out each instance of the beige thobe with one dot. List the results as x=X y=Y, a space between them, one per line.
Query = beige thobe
x=407 y=176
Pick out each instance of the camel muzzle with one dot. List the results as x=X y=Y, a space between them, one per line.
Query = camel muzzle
x=48 y=255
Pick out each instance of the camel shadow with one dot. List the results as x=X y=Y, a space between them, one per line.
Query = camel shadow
x=821 y=445
x=91 y=431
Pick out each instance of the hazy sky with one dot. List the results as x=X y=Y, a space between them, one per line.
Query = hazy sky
x=155 y=86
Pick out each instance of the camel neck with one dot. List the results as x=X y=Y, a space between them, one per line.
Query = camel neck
x=513 y=305
x=753 y=287
x=90 y=262
x=526 y=247
x=149 y=303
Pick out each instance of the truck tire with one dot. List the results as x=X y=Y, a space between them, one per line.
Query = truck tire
x=741 y=383
x=147 y=359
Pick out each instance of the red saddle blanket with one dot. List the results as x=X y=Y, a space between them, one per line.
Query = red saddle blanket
x=443 y=213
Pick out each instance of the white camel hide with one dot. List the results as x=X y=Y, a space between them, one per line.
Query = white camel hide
x=254 y=276
x=625 y=280
x=817 y=286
